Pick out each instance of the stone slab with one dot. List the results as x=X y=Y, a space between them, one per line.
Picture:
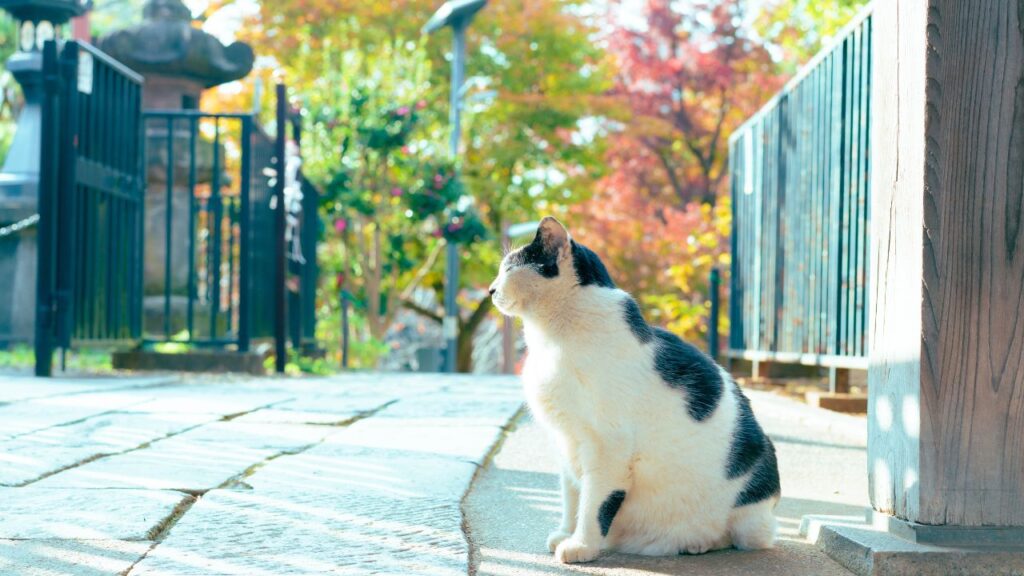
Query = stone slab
x=224 y=400
x=311 y=532
x=320 y=409
x=27 y=417
x=35 y=512
x=970 y=536
x=849 y=403
x=458 y=407
x=871 y=551
x=73 y=557
x=469 y=443
x=353 y=472
x=18 y=388
x=196 y=461
x=31 y=456
x=203 y=361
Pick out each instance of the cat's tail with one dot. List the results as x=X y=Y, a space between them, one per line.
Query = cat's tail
x=752 y=527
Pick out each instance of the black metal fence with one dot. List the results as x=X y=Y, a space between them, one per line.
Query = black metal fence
x=800 y=176
x=165 y=226
x=214 y=187
x=89 y=285
x=201 y=199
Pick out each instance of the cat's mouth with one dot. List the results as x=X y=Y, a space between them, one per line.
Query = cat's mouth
x=502 y=304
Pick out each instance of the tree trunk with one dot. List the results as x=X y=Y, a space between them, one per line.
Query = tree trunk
x=467 y=331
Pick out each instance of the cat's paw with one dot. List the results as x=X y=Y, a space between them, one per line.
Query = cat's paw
x=556 y=538
x=573 y=550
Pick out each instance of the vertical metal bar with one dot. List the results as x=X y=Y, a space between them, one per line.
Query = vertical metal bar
x=280 y=270
x=49 y=159
x=451 y=307
x=232 y=218
x=713 y=321
x=193 y=130
x=67 y=200
x=865 y=327
x=167 y=231
x=344 y=328
x=142 y=183
x=244 y=245
x=216 y=232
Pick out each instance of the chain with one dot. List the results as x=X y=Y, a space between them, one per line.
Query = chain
x=19 y=226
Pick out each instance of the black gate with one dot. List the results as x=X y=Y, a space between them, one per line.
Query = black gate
x=90 y=202
x=214 y=189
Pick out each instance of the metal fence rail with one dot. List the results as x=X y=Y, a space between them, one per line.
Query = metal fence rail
x=90 y=201
x=215 y=283
x=200 y=194
x=799 y=171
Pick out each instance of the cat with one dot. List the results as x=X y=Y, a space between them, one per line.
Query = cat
x=661 y=451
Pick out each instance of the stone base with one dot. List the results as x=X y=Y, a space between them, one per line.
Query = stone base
x=153 y=314
x=839 y=402
x=203 y=361
x=881 y=547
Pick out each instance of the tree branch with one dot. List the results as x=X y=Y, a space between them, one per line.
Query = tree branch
x=423 y=311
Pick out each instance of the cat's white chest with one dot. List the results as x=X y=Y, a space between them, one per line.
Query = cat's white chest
x=557 y=389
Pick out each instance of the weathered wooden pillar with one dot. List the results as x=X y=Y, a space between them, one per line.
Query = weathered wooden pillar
x=946 y=384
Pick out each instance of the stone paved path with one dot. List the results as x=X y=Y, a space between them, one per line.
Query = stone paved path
x=361 y=474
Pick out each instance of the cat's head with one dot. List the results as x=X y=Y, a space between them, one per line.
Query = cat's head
x=545 y=271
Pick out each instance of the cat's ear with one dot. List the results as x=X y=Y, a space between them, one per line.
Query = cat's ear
x=554 y=238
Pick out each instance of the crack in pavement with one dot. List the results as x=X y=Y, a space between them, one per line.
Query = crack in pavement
x=473 y=562
x=142 y=446
x=159 y=382
x=163 y=528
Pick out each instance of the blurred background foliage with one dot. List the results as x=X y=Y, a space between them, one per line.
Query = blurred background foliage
x=613 y=115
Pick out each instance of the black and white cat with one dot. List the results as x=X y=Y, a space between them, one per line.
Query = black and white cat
x=662 y=453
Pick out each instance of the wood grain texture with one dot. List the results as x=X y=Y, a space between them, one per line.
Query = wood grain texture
x=946 y=439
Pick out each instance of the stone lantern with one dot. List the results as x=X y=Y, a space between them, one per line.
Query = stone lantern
x=38 y=21
x=178 y=61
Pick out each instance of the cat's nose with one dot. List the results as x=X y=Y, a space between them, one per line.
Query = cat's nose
x=492 y=290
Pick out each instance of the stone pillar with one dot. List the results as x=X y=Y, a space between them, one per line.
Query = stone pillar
x=946 y=383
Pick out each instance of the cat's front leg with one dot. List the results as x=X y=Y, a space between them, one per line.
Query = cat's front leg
x=603 y=487
x=570 y=508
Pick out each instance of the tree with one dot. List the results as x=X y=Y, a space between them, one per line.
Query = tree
x=525 y=151
x=688 y=73
x=798 y=29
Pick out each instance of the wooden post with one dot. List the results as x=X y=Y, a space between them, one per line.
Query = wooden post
x=946 y=383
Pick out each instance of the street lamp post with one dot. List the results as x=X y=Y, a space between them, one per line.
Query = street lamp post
x=457 y=14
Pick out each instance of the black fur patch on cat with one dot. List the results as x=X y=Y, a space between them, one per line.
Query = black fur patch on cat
x=635 y=321
x=609 y=508
x=751 y=451
x=589 y=268
x=683 y=366
x=535 y=255
x=749 y=442
x=764 y=479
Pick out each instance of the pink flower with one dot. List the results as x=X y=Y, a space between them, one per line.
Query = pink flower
x=340 y=225
x=403 y=111
x=421 y=104
x=396 y=192
x=437 y=233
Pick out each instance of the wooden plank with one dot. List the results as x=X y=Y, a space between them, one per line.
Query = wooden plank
x=946 y=436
